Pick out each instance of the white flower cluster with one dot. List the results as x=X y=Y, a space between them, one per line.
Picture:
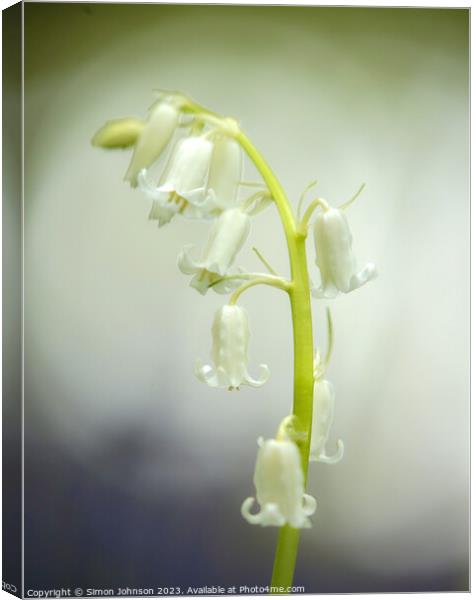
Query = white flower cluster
x=201 y=180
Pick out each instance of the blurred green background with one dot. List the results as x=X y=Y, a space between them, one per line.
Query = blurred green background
x=135 y=471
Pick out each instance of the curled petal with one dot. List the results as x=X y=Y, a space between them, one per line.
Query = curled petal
x=254 y=519
x=368 y=273
x=206 y=374
x=162 y=214
x=268 y=516
x=263 y=377
x=261 y=203
x=308 y=505
x=328 y=292
x=335 y=458
x=185 y=262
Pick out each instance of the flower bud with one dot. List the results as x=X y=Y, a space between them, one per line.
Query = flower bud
x=156 y=134
x=334 y=256
x=119 y=133
x=230 y=335
x=227 y=236
x=279 y=482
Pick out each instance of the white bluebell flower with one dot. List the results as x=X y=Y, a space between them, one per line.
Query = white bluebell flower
x=230 y=336
x=334 y=256
x=183 y=185
x=227 y=236
x=323 y=417
x=226 y=169
x=279 y=482
x=156 y=134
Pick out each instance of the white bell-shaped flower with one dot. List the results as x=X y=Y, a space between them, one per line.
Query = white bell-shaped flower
x=226 y=168
x=279 y=482
x=334 y=256
x=322 y=419
x=154 y=137
x=227 y=236
x=183 y=185
x=230 y=335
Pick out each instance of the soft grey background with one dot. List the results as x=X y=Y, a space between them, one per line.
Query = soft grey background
x=135 y=470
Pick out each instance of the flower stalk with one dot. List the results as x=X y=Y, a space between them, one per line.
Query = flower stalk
x=202 y=180
x=299 y=295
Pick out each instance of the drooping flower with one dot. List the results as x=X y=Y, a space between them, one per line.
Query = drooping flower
x=322 y=418
x=226 y=168
x=119 y=133
x=227 y=236
x=334 y=256
x=230 y=335
x=183 y=185
x=279 y=483
x=156 y=134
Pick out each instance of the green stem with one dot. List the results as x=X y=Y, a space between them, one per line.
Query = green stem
x=299 y=295
x=263 y=280
x=303 y=225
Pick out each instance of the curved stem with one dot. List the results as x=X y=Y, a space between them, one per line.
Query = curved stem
x=308 y=214
x=299 y=295
x=270 y=279
x=264 y=280
x=252 y=184
x=303 y=195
